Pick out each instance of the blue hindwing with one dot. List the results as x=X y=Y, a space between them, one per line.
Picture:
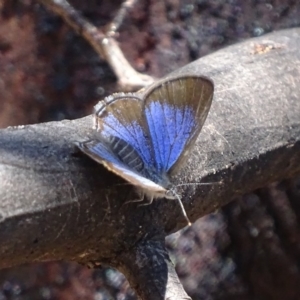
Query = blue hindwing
x=175 y=112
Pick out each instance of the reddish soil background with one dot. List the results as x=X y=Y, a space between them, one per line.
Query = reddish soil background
x=250 y=249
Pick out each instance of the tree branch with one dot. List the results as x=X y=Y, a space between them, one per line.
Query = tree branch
x=104 y=44
x=162 y=282
x=58 y=204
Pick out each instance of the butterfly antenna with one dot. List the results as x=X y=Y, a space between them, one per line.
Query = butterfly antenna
x=182 y=208
x=199 y=183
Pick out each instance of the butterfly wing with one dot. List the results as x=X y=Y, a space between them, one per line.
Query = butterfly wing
x=121 y=116
x=148 y=134
x=175 y=111
x=121 y=140
x=102 y=154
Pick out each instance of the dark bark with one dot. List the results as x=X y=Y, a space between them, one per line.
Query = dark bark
x=58 y=204
x=162 y=282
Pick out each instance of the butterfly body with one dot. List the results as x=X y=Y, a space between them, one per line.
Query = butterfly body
x=145 y=137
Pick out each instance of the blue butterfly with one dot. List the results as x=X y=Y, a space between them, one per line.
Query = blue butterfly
x=145 y=137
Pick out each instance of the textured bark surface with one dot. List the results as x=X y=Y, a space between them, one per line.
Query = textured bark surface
x=157 y=278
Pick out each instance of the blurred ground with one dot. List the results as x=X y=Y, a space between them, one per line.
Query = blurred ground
x=249 y=250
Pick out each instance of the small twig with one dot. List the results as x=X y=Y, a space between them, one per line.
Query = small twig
x=119 y=18
x=105 y=45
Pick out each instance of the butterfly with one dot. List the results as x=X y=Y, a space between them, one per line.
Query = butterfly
x=145 y=137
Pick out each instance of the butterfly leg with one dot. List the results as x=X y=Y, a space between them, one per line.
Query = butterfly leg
x=140 y=199
x=148 y=201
